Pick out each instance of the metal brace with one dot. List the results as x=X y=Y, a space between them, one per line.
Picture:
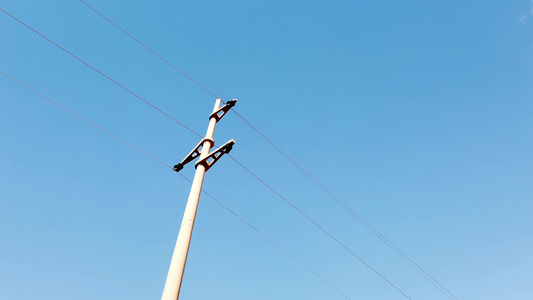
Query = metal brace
x=214 y=156
x=194 y=154
x=223 y=110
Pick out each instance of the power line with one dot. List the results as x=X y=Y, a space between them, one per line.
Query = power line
x=320 y=227
x=164 y=113
x=101 y=73
x=149 y=49
x=268 y=239
x=87 y=121
x=343 y=204
x=158 y=109
x=183 y=176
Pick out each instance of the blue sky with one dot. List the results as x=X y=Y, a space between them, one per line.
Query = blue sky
x=416 y=113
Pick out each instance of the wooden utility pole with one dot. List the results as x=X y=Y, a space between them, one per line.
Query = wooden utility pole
x=206 y=160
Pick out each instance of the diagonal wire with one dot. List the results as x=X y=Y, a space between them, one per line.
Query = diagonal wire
x=183 y=176
x=101 y=73
x=149 y=49
x=268 y=239
x=404 y=256
x=320 y=227
x=158 y=109
x=87 y=121
x=79 y=59
x=344 y=205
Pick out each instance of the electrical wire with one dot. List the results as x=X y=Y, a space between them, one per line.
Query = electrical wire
x=320 y=227
x=183 y=176
x=149 y=49
x=268 y=239
x=101 y=73
x=153 y=106
x=87 y=121
x=164 y=113
x=343 y=204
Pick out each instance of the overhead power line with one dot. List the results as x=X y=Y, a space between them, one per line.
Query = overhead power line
x=101 y=73
x=184 y=177
x=343 y=204
x=271 y=241
x=149 y=49
x=263 y=182
x=87 y=121
x=158 y=109
x=350 y=210
x=320 y=227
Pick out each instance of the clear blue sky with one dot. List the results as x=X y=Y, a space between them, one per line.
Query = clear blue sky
x=418 y=114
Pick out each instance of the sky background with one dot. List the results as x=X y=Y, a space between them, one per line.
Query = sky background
x=417 y=114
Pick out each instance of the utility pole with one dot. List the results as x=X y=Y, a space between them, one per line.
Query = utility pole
x=206 y=160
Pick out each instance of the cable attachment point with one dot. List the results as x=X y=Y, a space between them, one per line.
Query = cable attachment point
x=214 y=156
x=223 y=110
x=193 y=155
